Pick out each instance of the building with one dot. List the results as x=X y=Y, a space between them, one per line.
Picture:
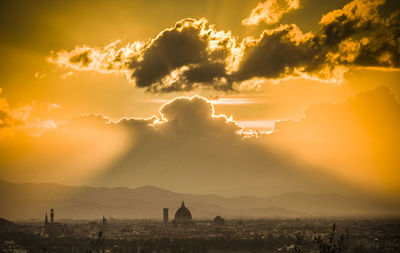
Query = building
x=52 y=215
x=218 y=221
x=165 y=215
x=54 y=228
x=183 y=214
x=183 y=217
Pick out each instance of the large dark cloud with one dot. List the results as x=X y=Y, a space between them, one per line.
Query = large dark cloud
x=195 y=50
x=173 y=48
x=276 y=53
x=189 y=54
x=357 y=35
x=363 y=34
x=193 y=54
x=356 y=16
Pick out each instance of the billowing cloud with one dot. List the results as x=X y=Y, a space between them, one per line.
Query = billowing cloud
x=188 y=147
x=276 y=53
x=185 y=147
x=357 y=35
x=25 y=117
x=7 y=119
x=190 y=53
x=194 y=54
x=356 y=16
x=356 y=139
x=195 y=116
x=377 y=43
x=270 y=11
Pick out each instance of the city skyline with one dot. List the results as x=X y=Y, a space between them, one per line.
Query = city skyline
x=264 y=98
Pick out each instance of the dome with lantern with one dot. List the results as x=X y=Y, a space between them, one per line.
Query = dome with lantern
x=183 y=214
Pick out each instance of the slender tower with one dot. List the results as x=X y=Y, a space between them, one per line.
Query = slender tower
x=46 y=221
x=165 y=215
x=52 y=215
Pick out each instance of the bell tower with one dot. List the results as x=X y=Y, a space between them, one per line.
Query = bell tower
x=165 y=215
x=51 y=215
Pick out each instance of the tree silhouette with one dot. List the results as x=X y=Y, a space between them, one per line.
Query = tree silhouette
x=332 y=244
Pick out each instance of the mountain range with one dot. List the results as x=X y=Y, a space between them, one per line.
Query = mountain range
x=21 y=201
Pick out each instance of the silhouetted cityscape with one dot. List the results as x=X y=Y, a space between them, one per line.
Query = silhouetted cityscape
x=185 y=234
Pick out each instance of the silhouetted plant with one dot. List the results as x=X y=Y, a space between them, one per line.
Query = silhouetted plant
x=97 y=242
x=298 y=243
x=332 y=244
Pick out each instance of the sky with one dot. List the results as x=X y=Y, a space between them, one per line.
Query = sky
x=221 y=97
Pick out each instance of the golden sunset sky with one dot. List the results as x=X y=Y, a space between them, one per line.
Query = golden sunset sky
x=227 y=97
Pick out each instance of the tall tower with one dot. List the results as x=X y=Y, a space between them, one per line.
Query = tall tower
x=165 y=215
x=52 y=215
x=46 y=221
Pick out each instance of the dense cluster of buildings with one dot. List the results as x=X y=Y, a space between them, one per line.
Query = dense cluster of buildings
x=53 y=228
x=265 y=235
x=182 y=220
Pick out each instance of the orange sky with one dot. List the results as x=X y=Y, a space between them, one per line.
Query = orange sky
x=334 y=92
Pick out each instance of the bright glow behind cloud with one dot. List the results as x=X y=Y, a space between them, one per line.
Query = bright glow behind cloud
x=194 y=55
x=270 y=11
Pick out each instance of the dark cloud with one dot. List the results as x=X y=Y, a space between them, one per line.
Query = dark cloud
x=363 y=33
x=383 y=47
x=355 y=17
x=276 y=53
x=82 y=58
x=190 y=54
x=173 y=48
x=357 y=35
x=192 y=48
x=205 y=73
x=193 y=54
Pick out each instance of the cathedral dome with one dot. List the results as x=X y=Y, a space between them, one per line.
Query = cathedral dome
x=183 y=214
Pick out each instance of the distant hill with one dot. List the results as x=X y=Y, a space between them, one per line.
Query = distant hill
x=30 y=200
